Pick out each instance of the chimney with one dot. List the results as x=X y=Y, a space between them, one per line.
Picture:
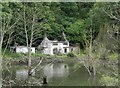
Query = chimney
x=64 y=36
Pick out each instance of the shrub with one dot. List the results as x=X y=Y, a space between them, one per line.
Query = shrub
x=8 y=54
x=71 y=54
x=108 y=81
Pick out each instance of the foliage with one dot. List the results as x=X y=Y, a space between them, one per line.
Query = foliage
x=57 y=17
x=10 y=55
x=95 y=26
x=71 y=54
x=108 y=81
x=53 y=18
x=113 y=56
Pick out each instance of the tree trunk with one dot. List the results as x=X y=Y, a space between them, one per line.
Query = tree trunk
x=91 y=62
x=29 y=62
x=1 y=41
x=28 y=46
x=29 y=51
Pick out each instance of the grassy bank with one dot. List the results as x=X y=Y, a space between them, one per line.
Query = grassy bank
x=70 y=56
x=21 y=58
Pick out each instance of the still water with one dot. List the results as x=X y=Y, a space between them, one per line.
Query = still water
x=58 y=74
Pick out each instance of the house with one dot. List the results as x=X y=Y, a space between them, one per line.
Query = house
x=52 y=47
x=21 y=49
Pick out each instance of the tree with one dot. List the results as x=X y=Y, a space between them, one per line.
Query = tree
x=30 y=28
x=101 y=40
x=7 y=24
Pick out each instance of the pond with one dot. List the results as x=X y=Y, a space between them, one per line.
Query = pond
x=58 y=74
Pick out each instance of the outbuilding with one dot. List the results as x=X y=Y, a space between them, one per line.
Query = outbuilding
x=22 y=49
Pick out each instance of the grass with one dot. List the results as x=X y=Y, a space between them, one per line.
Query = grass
x=47 y=55
x=10 y=55
x=96 y=55
x=108 y=81
x=113 y=56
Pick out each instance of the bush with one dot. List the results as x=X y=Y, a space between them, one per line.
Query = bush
x=108 y=81
x=113 y=56
x=8 y=54
x=59 y=54
x=71 y=54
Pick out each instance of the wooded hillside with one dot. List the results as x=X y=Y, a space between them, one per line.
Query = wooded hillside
x=77 y=20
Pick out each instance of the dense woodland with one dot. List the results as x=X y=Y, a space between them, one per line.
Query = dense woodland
x=77 y=20
x=94 y=26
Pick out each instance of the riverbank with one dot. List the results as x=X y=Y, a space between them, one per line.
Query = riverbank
x=106 y=67
x=21 y=59
x=56 y=72
x=10 y=58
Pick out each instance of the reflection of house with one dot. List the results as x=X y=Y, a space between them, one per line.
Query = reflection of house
x=53 y=46
x=22 y=74
x=21 y=49
x=56 y=70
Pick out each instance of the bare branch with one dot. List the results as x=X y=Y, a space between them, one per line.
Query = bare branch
x=8 y=40
x=37 y=66
x=111 y=15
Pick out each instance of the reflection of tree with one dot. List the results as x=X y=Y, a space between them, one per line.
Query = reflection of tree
x=91 y=81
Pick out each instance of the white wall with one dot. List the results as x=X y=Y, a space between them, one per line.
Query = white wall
x=60 y=46
x=48 y=49
x=63 y=47
x=33 y=50
x=24 y=50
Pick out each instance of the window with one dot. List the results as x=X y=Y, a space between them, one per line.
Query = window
x=65 y=50
x=46 y=44
x=55 y=51
x=71 y=49
x=65 y=43
x=14 y=49
x=55 y=43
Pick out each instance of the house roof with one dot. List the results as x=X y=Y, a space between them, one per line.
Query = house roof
x=52 y=41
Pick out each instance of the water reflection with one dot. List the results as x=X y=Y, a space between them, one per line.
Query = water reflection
x=49 y=70
x=56 y=70
x=55 y=73
x=22 y=74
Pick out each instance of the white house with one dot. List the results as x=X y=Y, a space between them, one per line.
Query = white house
x=53 y=46
x=21 y=49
